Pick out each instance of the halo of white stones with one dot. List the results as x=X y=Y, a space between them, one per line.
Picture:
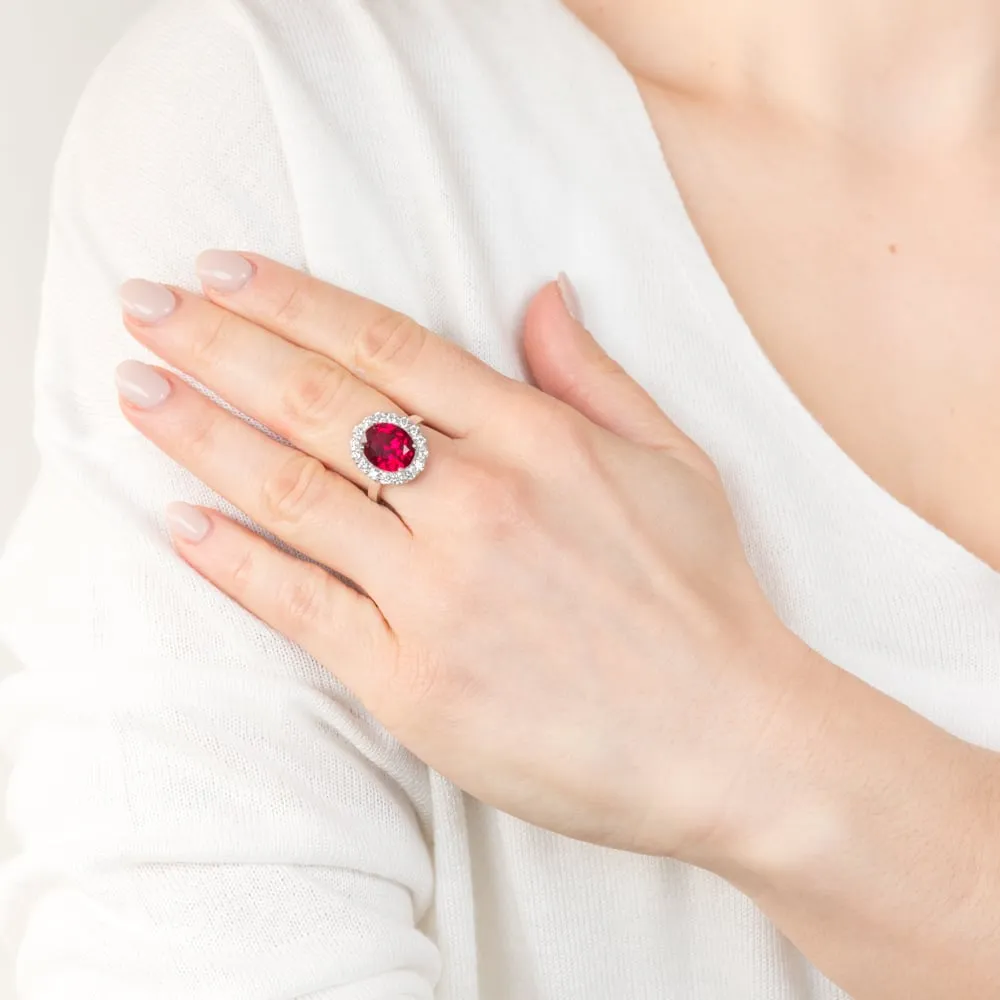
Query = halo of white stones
x=373 y=471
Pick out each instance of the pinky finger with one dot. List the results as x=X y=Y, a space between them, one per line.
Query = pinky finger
x=327 y=618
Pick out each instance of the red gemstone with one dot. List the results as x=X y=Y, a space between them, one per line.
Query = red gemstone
x=388 y=447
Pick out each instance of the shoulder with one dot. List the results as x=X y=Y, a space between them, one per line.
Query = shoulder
x=193 y=61
x=172 y=132
x=199 y=93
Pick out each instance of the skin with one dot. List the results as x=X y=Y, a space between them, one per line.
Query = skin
x=866 y=833
x=839 y=161
x=869 y=836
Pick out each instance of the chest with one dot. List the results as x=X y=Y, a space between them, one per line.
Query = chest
x=874 y=293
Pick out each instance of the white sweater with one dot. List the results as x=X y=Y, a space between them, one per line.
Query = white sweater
x=206 y=814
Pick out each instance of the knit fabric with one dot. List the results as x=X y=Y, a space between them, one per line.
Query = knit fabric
x=206 y=813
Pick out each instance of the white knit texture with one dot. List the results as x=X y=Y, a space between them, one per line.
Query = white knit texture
x=205 y=812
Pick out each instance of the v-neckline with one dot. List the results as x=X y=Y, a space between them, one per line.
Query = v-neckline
x=636 y=128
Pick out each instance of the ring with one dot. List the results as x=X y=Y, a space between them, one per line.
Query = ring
x=389 y=449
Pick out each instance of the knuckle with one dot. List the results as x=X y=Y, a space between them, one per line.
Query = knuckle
x=564 y=436
x=389 y=343
x=241 y=575
x=314 y=394
x=205 y=345
x=199 y=439
x=294 y=490
x=301 y=599
x=549 y=418
x=291 y=306
x=496 y=500
x=576 y=442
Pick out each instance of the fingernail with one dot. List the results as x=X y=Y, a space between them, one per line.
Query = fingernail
x=140 y=384
x=223 y=270
x=186 y=521
x=146 y=300
x=569 y=296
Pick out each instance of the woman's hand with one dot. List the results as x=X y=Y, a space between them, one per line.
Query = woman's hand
x=556 y=614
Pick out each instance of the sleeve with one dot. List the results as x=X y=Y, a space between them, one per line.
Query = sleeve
x=202 y=810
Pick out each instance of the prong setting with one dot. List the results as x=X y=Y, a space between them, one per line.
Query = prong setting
x=371 y=470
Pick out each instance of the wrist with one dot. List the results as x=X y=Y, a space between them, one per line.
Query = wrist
x=780 y=812
x=878 y=848
x=845 y=782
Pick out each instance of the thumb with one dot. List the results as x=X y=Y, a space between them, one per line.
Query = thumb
x=568 y=363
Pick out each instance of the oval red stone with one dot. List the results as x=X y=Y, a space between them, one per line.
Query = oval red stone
x=388 y=447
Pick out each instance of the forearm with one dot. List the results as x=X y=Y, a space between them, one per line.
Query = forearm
x=875 y=846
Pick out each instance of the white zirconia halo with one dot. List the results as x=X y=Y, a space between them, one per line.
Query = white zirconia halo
x=373 y=471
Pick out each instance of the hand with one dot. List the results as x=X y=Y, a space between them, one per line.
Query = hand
x=556 y=614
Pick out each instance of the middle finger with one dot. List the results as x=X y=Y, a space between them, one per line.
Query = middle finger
x=290 y=494
x=305 y=397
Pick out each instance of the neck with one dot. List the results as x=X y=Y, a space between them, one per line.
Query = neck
x=889 y=72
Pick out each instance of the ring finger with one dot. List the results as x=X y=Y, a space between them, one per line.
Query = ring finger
x=291 y=494
x=303 y=396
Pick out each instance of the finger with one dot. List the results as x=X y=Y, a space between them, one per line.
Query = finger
x=304 y=397
x=292 y=495
x=568 y=363
x=423 y=372
x=342 y=629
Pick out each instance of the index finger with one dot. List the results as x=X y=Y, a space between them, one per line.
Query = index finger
x=422 y=372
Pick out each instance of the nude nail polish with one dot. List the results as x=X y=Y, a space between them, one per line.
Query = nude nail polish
x=141 y=385
x=223 y=270
x=569 y=296
x=186 y=521
x=146 y=300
